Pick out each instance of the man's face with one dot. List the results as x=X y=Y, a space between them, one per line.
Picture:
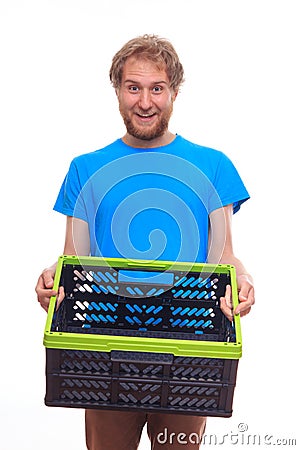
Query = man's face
x=145 y=99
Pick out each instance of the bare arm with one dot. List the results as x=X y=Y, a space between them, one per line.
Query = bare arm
x=221 y=252
x=77 y=242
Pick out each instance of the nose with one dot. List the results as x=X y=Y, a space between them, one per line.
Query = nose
x=145 y=101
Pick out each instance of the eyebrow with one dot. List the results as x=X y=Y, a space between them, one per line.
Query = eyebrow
x=137 y=82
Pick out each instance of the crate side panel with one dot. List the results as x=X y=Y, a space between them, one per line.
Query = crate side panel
x=79 y=391
x=204 y=398
x=141 y=395
x=78 y=362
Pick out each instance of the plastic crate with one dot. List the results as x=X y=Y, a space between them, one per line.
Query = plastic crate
x=131 y=335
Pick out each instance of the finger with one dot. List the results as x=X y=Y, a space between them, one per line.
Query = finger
x=227 y=311
x=246 y=302
x=45 y=306
x=44 y=302
x=46 y=292
x=45 y=281
x=61 y=296
x=44 y=295
x=228 y=296
x=243 y=309
x=246 y=292
x=226 y=303
x=48 y=279
x=40 y=284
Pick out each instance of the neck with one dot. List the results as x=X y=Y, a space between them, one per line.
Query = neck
x=160 y=141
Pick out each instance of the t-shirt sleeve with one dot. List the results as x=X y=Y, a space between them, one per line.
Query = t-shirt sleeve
x=228 y=185
x=70 y=199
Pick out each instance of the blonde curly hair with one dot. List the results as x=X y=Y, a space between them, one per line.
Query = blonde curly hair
x=151 y=48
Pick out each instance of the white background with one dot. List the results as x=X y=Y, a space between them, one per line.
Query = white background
x=241 y=96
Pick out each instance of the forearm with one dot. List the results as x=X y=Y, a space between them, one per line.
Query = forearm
x=221 y=252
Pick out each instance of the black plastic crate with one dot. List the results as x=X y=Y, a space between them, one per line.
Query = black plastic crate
x=142 y=338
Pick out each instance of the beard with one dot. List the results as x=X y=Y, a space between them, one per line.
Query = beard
x=147 y=133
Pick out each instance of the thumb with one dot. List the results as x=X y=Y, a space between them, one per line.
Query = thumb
x=61 y=296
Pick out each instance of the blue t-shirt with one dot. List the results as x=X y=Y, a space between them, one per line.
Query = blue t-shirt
x=151 y=204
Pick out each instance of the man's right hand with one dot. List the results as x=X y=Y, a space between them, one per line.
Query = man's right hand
x=44 y=288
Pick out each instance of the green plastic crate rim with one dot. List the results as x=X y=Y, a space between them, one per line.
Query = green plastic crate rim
x=107 y=343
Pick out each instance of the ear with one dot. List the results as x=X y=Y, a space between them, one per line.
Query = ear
x=174 y=95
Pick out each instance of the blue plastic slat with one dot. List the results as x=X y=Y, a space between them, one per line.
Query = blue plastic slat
x=177 y=310
x=178 y=283
x=184 y=311
x=204 y=282
x=131 y=309
x=103 y=277
x=201 y=311
x=210 y=310
x=130 y=290
x=151 y=292
x=109 y=275
x=111 y=289
x=192 y=311
x=95 y=288
x=138 y=291
x=160 y=291
x=188 y=281
x=103 y=289
x=178 y=293
x=194 y=283
x=186 y=294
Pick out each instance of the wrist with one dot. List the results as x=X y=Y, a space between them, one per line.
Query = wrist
x=245 y=275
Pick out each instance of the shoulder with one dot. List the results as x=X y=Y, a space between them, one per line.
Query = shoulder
x=198 y=149
x=98 y=156
x=87 y=164
x=200 y=154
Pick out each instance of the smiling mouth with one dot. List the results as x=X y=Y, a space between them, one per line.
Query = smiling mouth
x=145 y=118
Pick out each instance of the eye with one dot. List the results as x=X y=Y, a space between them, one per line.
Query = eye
x=157 y=89
x=133 y=89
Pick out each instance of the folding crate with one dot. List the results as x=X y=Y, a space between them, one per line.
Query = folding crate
x=135 y=335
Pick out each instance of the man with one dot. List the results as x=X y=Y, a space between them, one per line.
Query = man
x=150 y=195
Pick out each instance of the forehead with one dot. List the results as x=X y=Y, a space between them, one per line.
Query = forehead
x=141 y=68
